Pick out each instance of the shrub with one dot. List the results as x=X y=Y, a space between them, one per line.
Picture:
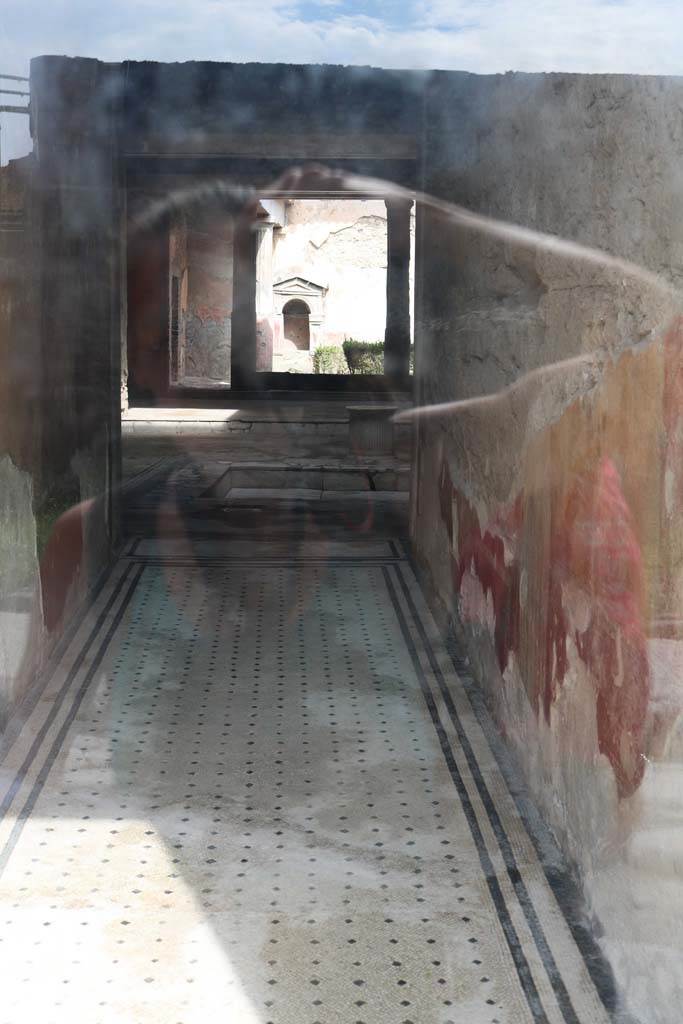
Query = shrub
x=354 y=357
x=329 y=359
x=364 y=356
x=368 y=356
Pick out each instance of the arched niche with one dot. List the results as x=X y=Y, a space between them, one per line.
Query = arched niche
x=296 y=317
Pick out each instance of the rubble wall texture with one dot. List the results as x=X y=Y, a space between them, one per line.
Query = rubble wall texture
x=548 y=517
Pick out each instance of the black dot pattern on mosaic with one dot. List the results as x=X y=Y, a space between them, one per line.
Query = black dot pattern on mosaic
x=256 y=752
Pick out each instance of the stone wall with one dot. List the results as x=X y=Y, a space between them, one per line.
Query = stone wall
x=548 y=516
x=60 y=347
x=178 y=282
x=201 y=262
x=20 y=438
x=209 y=302
x=269 y=111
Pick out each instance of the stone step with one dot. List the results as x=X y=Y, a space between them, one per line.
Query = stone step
x=324 y=418
x=374 y=478
x=306 y=495
x=278 y=517
x=259 y=430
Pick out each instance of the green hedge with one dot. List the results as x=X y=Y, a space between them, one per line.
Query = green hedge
x=329 y=359
x=354 y=357
x=364 y=356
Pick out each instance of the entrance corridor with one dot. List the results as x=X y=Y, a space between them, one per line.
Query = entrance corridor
x=256 y=789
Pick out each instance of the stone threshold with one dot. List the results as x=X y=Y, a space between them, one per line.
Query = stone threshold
x=383 y=476
x=303 y=496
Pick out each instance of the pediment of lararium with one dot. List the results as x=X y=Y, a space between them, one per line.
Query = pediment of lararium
x=299 y=286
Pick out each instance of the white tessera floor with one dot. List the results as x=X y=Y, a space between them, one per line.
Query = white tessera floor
x=255 y=791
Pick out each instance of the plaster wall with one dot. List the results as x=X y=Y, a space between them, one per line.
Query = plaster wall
x=178 y=266
x=21 y=630
x=208 y=303
x=342 y=246
x=547 y=517
x=20 y=610
x=201 y=259
x=60 y=347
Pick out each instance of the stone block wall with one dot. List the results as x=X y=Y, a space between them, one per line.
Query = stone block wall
x=548 y=515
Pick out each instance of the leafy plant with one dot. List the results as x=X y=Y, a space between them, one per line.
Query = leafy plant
x=360 y=357
x=329 y=359
x=364 y=356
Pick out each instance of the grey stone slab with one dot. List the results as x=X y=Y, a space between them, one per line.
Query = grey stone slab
x=277 y=477
x=284 y=494
x=374 y=497
x=391 y=479
x=345 y=480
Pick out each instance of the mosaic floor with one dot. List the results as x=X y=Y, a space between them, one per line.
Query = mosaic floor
x=255 y=791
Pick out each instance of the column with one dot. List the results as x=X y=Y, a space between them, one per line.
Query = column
x=243 y=333
x=264 y=270
x=397 y=333
x=264 y=296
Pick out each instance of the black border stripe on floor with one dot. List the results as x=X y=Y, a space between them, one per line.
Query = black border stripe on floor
x=24 y=709
x=294 y=563
x=514 y=873
x=559 y=878
x=561 y=881
x=59 y=700
x=526 y=980
x=37 y=787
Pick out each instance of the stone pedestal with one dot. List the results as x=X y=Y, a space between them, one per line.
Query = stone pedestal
x=371 y=429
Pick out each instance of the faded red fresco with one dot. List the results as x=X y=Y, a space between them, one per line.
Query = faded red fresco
x=61 y=563
x=594 y=545
x=210 y=312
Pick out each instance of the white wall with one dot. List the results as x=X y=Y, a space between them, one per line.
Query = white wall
x=340 y=245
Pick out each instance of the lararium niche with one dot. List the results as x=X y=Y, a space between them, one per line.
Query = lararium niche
x=297 y=331
x=298 y=317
